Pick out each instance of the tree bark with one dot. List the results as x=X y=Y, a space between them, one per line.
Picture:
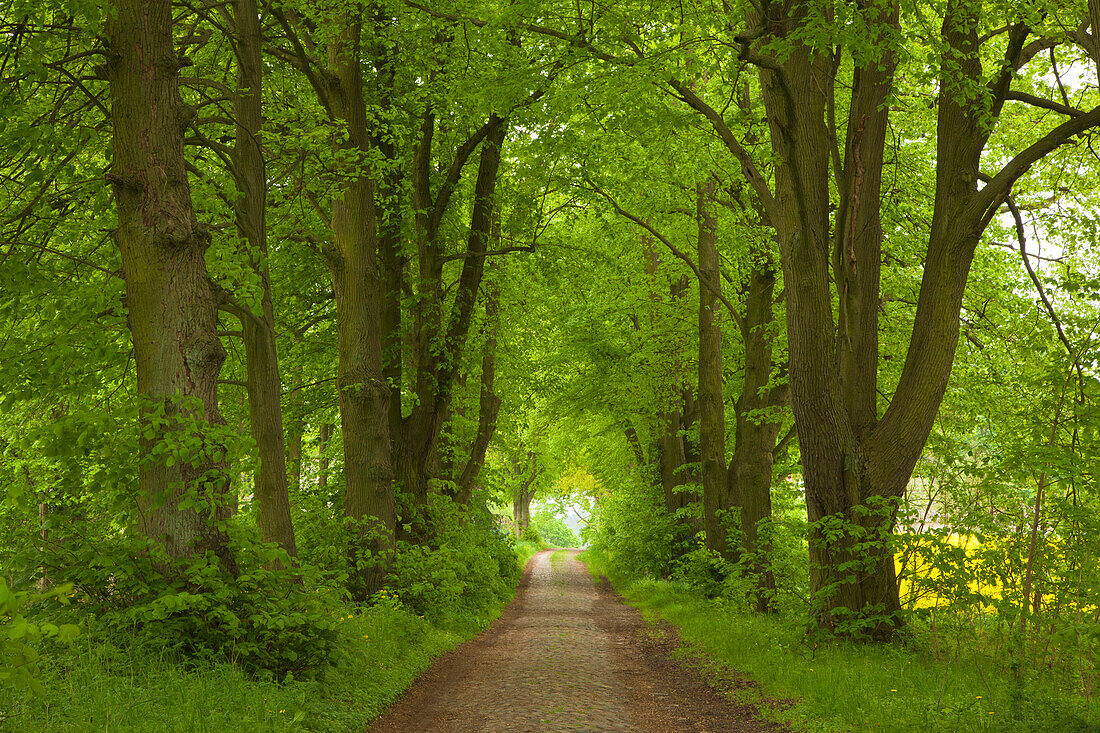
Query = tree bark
x=489 y=403
x=712 y=420
x=522 y=495
x=295 y=434
x=172 y=308
x=673 y=452
x=750 y=469
x=324 y=435
x=439 y=351
x=352 y=257
x=261 y=357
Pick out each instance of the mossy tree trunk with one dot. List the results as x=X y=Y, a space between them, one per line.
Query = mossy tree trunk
x=171 y=304
x=261 y=358
x=712 y=420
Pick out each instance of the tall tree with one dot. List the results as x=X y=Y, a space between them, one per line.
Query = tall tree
x=352 y=258
x=258 y=328
x=171 y=305
x=712 y=411
x=856 y=462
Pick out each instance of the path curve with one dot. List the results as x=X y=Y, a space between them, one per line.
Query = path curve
x=565 y=656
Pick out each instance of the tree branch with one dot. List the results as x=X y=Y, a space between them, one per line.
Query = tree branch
x=748 y=165
x=1022 y=239
x=1044 y=103
x=574 y=39
x=672 y=248
x=998 y=188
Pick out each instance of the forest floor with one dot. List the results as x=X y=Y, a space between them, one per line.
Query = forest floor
x=569 y=655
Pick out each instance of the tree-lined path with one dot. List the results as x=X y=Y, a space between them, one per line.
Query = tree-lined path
x=565 y=656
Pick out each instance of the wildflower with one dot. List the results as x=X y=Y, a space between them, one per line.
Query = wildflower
x=892 y=690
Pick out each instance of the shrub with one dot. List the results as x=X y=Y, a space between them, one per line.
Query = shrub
x=271 y=617
x=468 y=565
x=18 y=634
x=553 y=529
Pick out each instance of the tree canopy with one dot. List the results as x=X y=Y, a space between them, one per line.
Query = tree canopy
x=799 y=294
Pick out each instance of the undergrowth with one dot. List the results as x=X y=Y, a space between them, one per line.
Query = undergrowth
x=145 y=680
x=835 y=686
x=95 y=685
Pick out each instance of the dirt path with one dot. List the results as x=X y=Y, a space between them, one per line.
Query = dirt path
x=565 y=656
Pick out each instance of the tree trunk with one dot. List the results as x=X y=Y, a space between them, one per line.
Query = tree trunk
x=390 y=223
x=672 y=449
x=364 y=396
x=750 y=470
x=712 y=420
x=521 y=512
x=439 y=351
x=486 y=425
x=261 y=358
x=856 y=466
x=324 y=435
x=489 y=404
x=295 y=434
x=522 y=493
x=172 y=308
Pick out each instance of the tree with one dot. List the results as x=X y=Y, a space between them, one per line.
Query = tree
x=856 y=463
x=258 y=328
x=170 y=301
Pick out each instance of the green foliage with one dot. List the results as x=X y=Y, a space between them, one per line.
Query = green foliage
x=838 y=686
x=270 y=616
x=468 y=567
x=96 y=684
x=552 y=529
x=637 y=532
x=18 y=635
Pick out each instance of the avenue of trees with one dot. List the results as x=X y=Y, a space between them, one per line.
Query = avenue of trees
x=796 y=299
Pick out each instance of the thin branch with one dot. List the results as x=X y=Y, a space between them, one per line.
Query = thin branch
x=311 y=384
x=1022 y=239
x=74 y=258
x=784 y=441
x=573 y=39
x=672 y=247
x=454 y=172
x=985 y=202
x=491 y=253
x=748 y=165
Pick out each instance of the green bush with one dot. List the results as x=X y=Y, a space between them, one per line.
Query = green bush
x=271 y=616
x=552 y=529
x=705 y=571
x=637 y=533
x=469 y=565
x=18 y=634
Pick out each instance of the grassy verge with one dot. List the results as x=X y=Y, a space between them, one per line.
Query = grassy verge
x=857 y=687
x=94 y=686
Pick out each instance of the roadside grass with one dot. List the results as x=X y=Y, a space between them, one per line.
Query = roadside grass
x=834 y=686
x=525 y=550
x=96 y=686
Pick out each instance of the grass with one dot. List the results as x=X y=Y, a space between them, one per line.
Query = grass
x=525 y=550
x=897 y=688
x=95 y=686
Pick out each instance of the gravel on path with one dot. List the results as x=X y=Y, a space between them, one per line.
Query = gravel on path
x=566 y=655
